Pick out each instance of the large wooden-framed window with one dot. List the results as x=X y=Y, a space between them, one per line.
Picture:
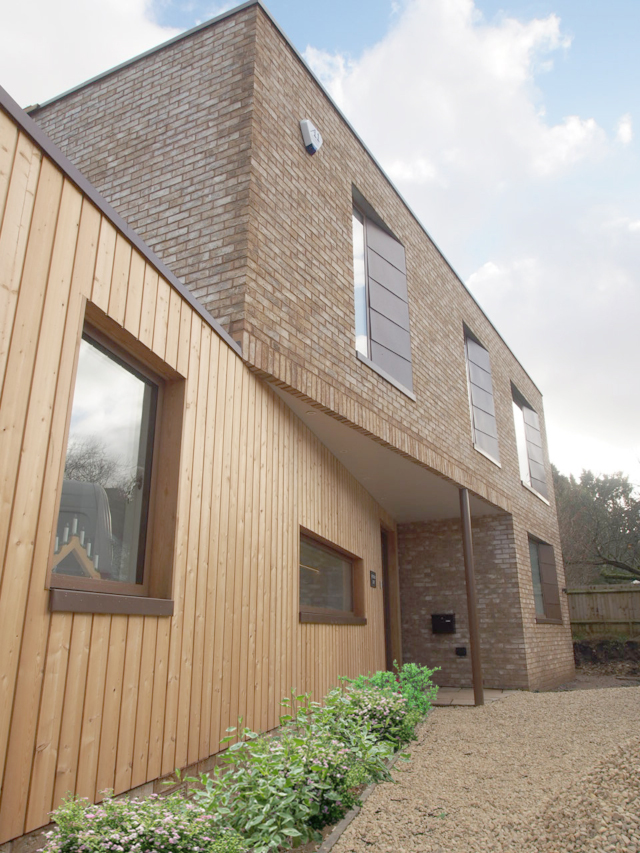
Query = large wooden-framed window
x=383 y=340
x=483 y=413
x=331 y=584
x=545 y=582
x=112 y=549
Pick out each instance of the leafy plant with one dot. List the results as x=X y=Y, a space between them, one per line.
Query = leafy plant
x=270 y=791
x=168 y=825
x=414 y=682
x=417 y=687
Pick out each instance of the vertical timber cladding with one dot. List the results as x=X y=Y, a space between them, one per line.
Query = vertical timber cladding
x=98 y=701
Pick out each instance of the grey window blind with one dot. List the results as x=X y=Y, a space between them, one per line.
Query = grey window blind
x=388 y=304
x=534 y=451
x=485 y=431
x=549 y=580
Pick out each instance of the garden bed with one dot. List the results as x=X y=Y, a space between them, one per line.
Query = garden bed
x=273 y=792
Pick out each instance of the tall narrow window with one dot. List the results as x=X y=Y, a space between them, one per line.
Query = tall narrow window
x=102 y=521
x=381 y=301
x=483 y=413
x=545 y=581
x=529 y=444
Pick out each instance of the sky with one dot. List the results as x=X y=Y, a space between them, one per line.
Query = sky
x=510 y=128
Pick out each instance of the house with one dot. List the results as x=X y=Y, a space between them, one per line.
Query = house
x=256 y=432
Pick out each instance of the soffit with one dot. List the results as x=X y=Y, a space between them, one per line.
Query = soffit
x=406 y=490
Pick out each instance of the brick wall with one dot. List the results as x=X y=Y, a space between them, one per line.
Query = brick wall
x=167 y=141
x=432 y=580
x=198 y=146
x=517 y=652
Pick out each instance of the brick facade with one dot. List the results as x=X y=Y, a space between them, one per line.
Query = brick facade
x=198 y=146
x=432 y=580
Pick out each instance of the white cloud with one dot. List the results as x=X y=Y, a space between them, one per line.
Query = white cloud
x=623 y=223
x=97 y=34
x=625 y=129
x=213 y=11
x=459 y=94
x=534 y=213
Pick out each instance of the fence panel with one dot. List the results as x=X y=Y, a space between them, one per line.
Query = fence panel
x=605 y=610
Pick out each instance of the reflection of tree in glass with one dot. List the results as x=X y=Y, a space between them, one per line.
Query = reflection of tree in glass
x=89 y=462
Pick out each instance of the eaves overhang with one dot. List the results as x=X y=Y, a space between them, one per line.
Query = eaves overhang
x=407 y=490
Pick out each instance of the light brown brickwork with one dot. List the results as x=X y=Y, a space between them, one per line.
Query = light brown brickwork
x=167 y=141
x=198 y=146
x=432 y=580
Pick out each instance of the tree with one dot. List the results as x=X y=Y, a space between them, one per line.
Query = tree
x=599 y=519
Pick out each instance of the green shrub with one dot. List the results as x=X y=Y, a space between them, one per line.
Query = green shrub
x=270 y=792
x=283 y=789
x=263 y=792
x=417 y=687
x=168 y=825
x=341 y=752
x=413 y=680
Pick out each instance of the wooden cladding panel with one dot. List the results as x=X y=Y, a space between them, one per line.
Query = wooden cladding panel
x=19 y=194
x=91 y=702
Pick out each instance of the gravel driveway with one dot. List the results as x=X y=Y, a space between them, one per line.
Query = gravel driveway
x=530 y=773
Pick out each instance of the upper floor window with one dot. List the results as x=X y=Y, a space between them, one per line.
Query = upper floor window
x=529 y=444
x=381 y=306
x=483 y=413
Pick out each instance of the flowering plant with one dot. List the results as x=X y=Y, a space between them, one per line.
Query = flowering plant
x=155 y=825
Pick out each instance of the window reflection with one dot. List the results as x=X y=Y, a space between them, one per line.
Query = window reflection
x=536 y=577
x=101 y=526
x=521 y=444
x=326 y=577
x=360 y=284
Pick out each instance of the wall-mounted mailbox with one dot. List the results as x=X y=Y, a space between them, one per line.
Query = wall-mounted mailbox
x=443 y=623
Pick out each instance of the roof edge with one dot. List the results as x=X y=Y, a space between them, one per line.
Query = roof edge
x=39 y=137
x=210 y=23
x=259 y=3
x=326 y=94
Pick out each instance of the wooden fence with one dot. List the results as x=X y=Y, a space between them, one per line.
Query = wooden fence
x=598 y=610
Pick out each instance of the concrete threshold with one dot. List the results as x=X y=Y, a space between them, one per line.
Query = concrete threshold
x=464 y=696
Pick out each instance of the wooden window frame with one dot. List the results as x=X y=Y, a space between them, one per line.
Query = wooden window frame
x=154 y=595
x=548 y=582
x=325 y=616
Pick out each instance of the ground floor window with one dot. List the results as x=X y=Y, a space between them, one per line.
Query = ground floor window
x=330 y=581
x=545 y=581
x=113 y=541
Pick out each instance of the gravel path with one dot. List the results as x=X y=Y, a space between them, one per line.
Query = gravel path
x=530 y=773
